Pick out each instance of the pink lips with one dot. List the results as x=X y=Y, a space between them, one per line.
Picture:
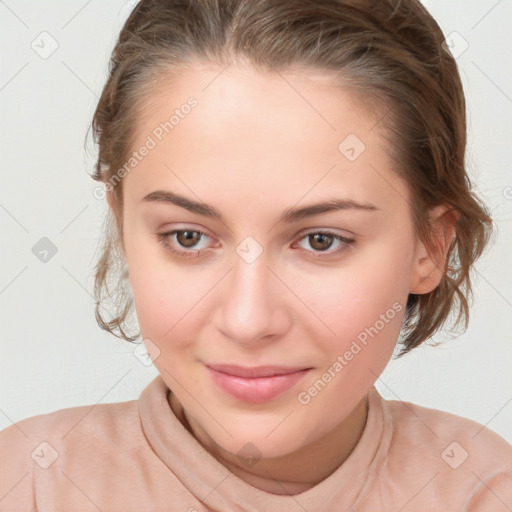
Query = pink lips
x=255 y=385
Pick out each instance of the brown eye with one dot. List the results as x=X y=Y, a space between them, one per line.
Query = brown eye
x=320 y=241
x=188 y=239
x=184 y=242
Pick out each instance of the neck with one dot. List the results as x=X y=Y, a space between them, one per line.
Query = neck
x=292 y=473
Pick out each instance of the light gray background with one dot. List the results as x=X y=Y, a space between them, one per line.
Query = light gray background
x=53 y=355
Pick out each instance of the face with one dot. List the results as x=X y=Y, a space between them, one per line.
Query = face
x=322 y=292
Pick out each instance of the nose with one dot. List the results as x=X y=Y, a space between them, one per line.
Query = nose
x=253 y=308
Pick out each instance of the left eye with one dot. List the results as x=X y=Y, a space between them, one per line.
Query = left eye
x=320 y=241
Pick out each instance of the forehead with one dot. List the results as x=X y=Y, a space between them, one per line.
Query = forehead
x=251 y=132
x=241 y=97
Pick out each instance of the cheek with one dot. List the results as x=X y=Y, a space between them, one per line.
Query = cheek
x=363 y=302
x=158 y=293
x=162 y=299
x=167 y=295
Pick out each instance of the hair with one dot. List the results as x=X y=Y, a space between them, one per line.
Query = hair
x=390 y=53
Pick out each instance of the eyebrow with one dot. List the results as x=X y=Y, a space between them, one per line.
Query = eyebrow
x=288 y=216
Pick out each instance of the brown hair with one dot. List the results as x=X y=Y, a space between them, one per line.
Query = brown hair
x=389 y=52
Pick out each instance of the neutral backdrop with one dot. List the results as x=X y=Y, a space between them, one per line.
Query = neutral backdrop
x=53 y=355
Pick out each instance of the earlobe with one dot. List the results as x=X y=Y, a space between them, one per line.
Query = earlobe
x=429 y=267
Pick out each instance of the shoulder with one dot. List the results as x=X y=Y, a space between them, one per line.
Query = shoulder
x=467 y=461
x=99 y=420
x=40 y=447
x=421 y=424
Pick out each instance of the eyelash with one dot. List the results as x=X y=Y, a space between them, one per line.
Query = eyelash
x=163 y=238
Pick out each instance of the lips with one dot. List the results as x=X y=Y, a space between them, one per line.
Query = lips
x=255 y=385
x=256 y=372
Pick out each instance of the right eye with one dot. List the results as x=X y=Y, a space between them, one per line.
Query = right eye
x=181 y=238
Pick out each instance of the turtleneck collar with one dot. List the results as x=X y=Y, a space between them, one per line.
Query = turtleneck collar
x=219 y=489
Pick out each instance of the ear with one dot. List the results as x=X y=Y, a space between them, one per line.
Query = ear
x=429 y=267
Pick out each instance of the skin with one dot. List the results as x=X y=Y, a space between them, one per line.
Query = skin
x=253 y=147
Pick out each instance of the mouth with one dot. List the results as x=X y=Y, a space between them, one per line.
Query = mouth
x=255 y=372
x=257 y=384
